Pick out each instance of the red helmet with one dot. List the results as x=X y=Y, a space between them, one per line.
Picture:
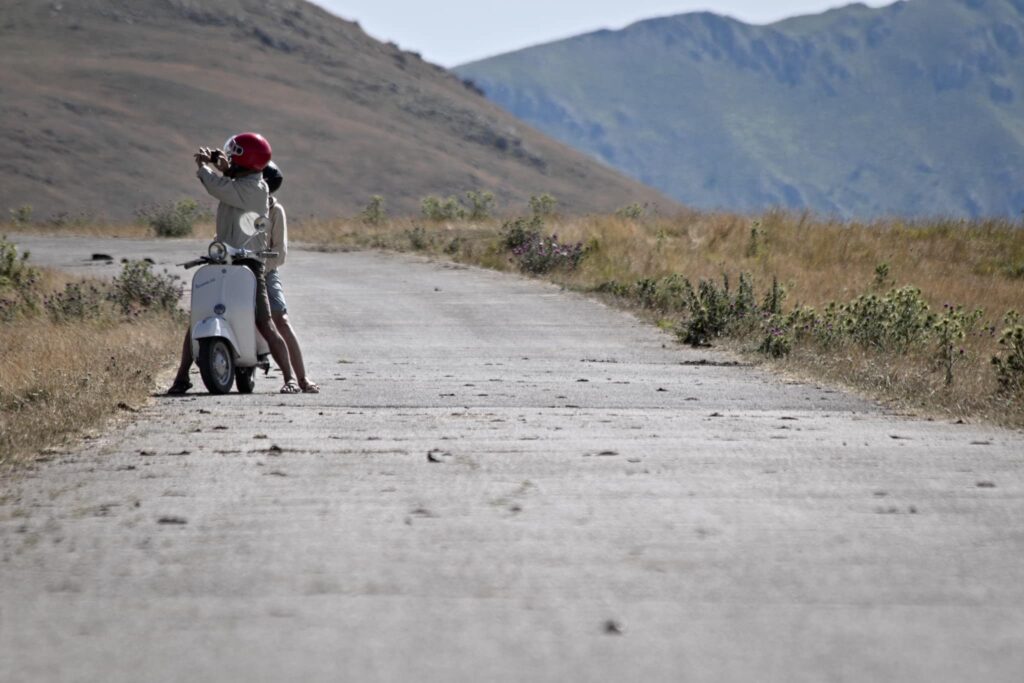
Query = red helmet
x=250 y=151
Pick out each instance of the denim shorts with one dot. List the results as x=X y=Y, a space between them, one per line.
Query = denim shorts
x=276 y=292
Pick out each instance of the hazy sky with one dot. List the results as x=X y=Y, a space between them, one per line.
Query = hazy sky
x=452 y=32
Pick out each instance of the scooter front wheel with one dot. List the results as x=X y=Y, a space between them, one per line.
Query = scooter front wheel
x=245 y=380
x=216 y=365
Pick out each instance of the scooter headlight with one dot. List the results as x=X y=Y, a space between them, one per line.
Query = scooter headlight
x=217 y=251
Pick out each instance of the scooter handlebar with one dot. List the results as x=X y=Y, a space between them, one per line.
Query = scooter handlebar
x=234 y=254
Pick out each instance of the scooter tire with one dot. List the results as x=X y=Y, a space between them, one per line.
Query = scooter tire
x=216 y=365
x=245 y=380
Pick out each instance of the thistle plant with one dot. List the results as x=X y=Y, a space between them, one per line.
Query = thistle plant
x=776 y=338
x=138 y=289
x=950 y=330
x=519 y=231
x=540 y=255
x=77 y=301
x=1010 y=367
x=892 y=322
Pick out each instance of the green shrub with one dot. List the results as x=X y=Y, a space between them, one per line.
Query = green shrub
x=18 y=281
x=519 y=231
x=22 y=215
x=744 y=306
x=540 y=255
x=615 y=288
x=1014 y=271
x=774 y=299
x=669 y=293
x=139 y=290
x=447 y=209
x=1010 y=367
x=543 y=206
x=893 y=322
x=709 y=313
x=756 y=242
x=777 y=337
x=174 y=219
x=63 y=219
x=481 y=204
x=715 y=311
x=881 y=275
x=375 y=213
x=418 y=238
x=454 y=247
x=645 y=292
x=634 y=211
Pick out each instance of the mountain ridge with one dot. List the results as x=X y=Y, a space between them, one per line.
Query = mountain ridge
x=912 y=108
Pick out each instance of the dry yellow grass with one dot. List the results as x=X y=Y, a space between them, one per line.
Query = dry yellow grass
x=58 y=379
x=975 y=264
x=972 y=263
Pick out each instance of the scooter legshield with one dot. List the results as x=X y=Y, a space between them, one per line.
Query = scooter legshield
x=224 y=305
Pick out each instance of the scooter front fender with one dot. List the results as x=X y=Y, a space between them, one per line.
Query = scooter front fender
x=214 y=327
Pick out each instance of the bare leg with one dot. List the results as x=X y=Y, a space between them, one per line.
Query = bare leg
x=181 y=378
x=278 y=348
x=284 y=326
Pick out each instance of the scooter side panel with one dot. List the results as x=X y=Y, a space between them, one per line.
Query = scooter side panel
x=235 y=288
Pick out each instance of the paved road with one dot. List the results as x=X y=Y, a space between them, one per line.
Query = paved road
x=606 y=506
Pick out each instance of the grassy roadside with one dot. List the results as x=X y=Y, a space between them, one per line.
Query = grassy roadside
x=76 y=352
x=912 y=312
x=909 y=312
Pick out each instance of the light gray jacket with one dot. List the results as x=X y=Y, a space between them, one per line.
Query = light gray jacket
x=238 y=196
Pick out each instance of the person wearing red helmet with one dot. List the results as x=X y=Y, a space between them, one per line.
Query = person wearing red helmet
x=241 y=190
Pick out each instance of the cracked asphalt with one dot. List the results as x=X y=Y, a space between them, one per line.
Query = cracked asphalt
x=502 y=481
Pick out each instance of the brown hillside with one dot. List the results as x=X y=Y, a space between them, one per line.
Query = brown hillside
x=103 y=102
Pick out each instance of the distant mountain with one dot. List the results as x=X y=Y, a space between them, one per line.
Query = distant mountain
x=102 y=103
x=915 y=108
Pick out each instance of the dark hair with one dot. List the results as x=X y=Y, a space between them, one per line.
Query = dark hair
x=272 y=174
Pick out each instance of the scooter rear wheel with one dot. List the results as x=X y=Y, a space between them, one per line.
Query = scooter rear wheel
x=245 y=380
x=216 y=365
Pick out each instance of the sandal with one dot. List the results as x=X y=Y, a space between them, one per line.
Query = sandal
x=291 y=387
x=309 y=387
x=179 y=388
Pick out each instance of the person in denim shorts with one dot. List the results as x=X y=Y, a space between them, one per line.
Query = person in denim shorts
x=278 y=241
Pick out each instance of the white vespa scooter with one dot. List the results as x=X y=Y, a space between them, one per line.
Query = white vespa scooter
x=225 y=343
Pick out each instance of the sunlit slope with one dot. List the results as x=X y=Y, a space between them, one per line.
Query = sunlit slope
x=914 y=108
x=103 y=102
